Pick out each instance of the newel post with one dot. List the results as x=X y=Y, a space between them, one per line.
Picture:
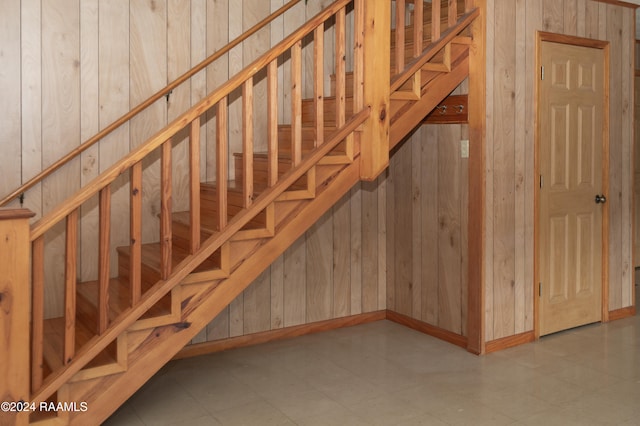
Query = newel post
x=14 y=313
x=376 y=45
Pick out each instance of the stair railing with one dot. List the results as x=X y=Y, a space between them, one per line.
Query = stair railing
x=447 y=23
x=68 y=213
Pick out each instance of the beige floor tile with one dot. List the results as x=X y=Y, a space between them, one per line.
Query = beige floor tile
x=254 y=413
x=382 y=373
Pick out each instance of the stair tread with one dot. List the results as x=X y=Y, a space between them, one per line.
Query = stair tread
x=151 y=257
x=54 y=342
x=119 y=300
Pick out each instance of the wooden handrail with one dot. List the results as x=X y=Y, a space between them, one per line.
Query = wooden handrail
x=144 y=105
x=98 y=343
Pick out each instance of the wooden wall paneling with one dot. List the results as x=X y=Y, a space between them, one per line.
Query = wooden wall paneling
x=277 y=34
x=521 y=279
x=341 y=258
x=533 y=15
x=636 y=188
x=198 y=50
x=449 y=250
x=31 y=99
x=236 y=64
x=402 y=229
x=616 y=265
x=277 y=293
x=295 y=283
x=489 y=166
x=219 y=328
x=60 y=125
x=320 y=269
x=416 y=224
x=570 y=17
x=464 y=234
x=253 y=12
x=178 y=62
x=553 y=18
x=257 y=309
x=370 y=246
x=148 y=57
x=503 y=153
x=627 y=71
x=591 y=19
x=89 y=126
x=382 y=240
x=581 y=18
x=113 y=82
x=428 y=213
x=293 y=18
x=10 y=82
x=217 y=73
x=355 y=255
x=391 y=234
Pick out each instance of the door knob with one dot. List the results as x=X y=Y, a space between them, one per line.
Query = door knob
x=601 y=199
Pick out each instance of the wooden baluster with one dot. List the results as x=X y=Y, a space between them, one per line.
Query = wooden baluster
x=296 y=103
x=70 y=274
x=318 y=82
x=247 y=142
x=400 y=24
x=37 y=314
x=222 y=172
x=104 y=261
x=272 y=118
x=15 y=312
x=135 y=230
x=341 y=80
x=435 y=20
x=453 y=12
x=165 y=211
x=194 y=185
x=418 y=28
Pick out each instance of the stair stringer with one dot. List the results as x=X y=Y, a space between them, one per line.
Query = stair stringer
x=151 y=349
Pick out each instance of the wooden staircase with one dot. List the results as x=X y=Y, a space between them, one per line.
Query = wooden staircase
x=118 y=331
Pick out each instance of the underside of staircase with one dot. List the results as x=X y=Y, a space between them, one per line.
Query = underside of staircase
x=235 y=243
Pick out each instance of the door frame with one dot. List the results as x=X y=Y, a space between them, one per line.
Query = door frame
x=541 y=37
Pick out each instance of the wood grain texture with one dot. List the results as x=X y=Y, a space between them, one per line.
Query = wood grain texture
x=503 y=155
x=14 y=304
x=60 y=124
x=11 y=82
x=31 y=97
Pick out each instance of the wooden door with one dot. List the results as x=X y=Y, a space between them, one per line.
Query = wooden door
x=571 y=108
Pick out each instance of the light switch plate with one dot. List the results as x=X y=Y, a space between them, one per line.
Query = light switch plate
x=464 y=148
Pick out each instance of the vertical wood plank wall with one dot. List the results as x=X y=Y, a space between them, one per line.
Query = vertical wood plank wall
x=510 y=149
x=427 y=227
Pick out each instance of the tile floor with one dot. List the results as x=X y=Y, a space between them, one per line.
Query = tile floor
x=385 y=374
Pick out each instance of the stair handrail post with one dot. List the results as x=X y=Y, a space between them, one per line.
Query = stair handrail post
x=14 y=315
x=376 y=45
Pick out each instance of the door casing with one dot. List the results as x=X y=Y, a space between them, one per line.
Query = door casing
x=596 y=44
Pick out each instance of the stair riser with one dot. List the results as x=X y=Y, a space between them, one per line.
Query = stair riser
x=309 y=111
